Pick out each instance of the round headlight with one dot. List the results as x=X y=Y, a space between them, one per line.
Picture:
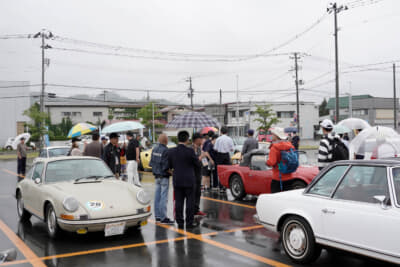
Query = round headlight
x=70 y=204
x=143 y=197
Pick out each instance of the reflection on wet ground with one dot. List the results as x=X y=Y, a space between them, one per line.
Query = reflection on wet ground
x=227 y=236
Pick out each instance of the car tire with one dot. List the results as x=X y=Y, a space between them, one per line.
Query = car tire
x=298 y=184
x=9 y=148
x=51 y=222
x=23 y=214
x=298 y=241
x=237 y=187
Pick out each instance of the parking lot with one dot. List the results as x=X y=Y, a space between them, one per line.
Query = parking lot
x=226 y=236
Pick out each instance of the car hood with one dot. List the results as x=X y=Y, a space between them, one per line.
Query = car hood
x=108 y=198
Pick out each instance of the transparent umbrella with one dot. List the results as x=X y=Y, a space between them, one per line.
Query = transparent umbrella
x=354 y=123
x=376 y=142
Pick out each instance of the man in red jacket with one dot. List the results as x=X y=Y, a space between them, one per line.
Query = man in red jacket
x=279 y=143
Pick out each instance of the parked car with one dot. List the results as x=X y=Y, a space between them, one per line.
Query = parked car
x=264 y=136
x=80 y=194
x=145 y=156
x=12 y=142
x=350 y=205
x=253 y=176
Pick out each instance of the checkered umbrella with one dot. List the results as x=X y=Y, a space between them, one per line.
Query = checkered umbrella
x=193 y=120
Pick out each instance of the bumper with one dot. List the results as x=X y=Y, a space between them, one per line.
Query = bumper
x=99 y=224
x=269 y=227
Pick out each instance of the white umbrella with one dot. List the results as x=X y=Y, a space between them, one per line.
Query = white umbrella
x=121 y=127
x=354 y=123
x=376 y=142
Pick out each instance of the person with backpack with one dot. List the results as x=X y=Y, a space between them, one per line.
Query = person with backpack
x=282 y=158
x=331 y=148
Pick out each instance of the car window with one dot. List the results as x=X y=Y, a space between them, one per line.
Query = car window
x=58 y=152
x=258 y=163
x=28 y=175
x=327 y=183
x=37 y=173
x=396 y=181
x=71 y=169
x=362 y=183
x=43 y=153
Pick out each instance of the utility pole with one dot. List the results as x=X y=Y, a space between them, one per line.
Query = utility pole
x=220 y=96
x=43 y=34
x=350 y=102
x=105 y=92
x=298 y=82
x=394 y=98
x=237 y=105
x=148 y=96
x=190 y=94
x=335 y=9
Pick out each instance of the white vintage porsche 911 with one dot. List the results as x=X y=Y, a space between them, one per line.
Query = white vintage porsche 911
x=80 y=194
x=350 y=205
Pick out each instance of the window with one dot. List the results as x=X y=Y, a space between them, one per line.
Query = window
x=285 y=114
x=327 y=183
x=233 y=114
x=43 y=153
x=97 y=113
x=65 y=114
x=362 y=183
x=37 y=173
x=360 y=112
x=28 y=175
x=77 y=114
x=396 y=181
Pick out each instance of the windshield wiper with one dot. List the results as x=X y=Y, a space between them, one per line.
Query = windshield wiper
x=109 y=176
x=88 y=177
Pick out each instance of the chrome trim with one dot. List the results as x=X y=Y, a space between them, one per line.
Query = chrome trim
x=102 y=221
x=391 y=184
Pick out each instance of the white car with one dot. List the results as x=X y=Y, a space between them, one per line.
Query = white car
x=54 y=151
x=12 y=143
x=80 y=194
x=350 y=205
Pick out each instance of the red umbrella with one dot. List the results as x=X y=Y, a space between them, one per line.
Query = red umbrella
x=207 y=129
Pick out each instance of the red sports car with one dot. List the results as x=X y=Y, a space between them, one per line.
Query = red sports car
x=253 y=176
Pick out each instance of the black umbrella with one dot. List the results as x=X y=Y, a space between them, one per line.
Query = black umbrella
x=193 y=120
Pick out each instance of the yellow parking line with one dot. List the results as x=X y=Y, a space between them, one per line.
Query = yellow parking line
x=223 y=246
x=12 y=173
x=30 y=256
x=93 y=251
x=229 y=202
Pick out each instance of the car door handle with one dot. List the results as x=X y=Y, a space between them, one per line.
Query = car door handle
x=326 y=211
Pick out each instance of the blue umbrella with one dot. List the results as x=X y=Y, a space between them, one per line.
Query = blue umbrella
x=121 y=127
x=290 y=130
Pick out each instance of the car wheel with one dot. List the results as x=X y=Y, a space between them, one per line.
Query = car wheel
x=298 y=240
x=23 y=214
x=237 y=187
x=51 y=222
x=298 y=185
x=8 y=148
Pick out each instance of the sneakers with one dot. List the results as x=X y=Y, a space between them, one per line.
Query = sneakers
x=167 y=221
x=200 y=213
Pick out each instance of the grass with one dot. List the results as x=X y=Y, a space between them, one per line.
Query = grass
x=14 y=156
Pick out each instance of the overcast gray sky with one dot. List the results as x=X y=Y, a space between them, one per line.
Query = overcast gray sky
x=368 y=34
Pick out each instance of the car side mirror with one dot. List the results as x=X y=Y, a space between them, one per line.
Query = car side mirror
x=38 y=180
x=383 y=200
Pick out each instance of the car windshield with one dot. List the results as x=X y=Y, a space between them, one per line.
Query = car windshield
x=396 y=181
x=73 y=169
x=58 y=152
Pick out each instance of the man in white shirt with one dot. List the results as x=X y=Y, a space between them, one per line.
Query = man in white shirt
x=223 y=146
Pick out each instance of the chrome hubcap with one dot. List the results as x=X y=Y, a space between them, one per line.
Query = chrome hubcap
x=236 y=187
x=296 y=240
x=20 y=205
x=51 y=221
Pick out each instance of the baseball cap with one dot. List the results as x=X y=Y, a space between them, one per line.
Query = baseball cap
x=279 y=132
x=114 y=135
x=250 y=132
x=327 y=124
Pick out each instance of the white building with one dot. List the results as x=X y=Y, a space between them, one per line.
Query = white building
x=285 y=111
x=14 y=100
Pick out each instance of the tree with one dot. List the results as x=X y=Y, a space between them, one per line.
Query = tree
x=146 y=113
x=323 y=110
x=266 y=117
x=37 y=127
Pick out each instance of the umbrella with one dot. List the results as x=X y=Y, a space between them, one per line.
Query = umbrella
x=81 y=129
x=193 y=120
x=376 y=142
x=354 y=123
x=205 y=130
x=123 y=126
x=290 y=130
x=341 y=129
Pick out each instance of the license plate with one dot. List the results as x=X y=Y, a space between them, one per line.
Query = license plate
x=143 y=223
x=114 y=229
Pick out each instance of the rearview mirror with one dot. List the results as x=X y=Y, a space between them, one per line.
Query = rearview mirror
x=38 y=180
x=383 y=200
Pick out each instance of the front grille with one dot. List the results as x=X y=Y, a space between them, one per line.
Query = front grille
x=140 y=211
x=83 y=217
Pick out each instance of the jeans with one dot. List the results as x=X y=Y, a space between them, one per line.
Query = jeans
x=132 y=170
x=161 y=198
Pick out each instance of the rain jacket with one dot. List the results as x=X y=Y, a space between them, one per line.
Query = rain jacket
x=275 y=156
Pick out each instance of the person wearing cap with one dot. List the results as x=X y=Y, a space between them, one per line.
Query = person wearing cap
x=325 y=145
x=111 y=154
x=183 y=161
x=279 y=143
x=250 y=142
x=21 y=160
x=104 y=141
x=132 y=156
x=75 y=151
x=95 y=148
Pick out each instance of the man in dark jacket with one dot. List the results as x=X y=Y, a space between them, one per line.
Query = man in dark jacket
x=112 y=154
x=183 y=161
x=160 y=168
x=132 y=156
x=196 y=145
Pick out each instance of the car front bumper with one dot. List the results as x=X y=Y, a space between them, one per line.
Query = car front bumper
x=99 y=224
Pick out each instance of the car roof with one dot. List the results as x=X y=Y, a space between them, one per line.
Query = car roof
x=55 y=147
x=390 y=162
x=47 y=160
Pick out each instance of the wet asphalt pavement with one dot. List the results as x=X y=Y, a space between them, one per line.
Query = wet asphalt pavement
x=227 y=236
